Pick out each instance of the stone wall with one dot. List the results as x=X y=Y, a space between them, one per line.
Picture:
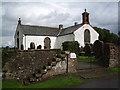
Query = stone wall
x=106 y=53
x=37 y=65
x=111 y=54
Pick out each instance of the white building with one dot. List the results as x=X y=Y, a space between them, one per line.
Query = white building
x=52 y=38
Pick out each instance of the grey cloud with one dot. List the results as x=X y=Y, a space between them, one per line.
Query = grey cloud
x=52 y=14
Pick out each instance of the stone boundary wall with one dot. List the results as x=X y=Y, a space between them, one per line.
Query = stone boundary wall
x=36 y=65
x=107 y=53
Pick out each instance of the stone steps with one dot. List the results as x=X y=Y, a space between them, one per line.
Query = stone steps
x=38 y=76
x=34 y=66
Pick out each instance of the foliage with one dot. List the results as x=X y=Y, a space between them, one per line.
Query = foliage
x=87 y=50
x=106 y=36
x=39 y=47
x=72 y=46
x=7 y=54
x=86 y=59
x=115 y=69
x=7 y=47
x=57 y=82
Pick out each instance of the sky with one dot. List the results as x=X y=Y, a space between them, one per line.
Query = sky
x=102 y=14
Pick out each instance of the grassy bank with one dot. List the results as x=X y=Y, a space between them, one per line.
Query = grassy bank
x=114 y=69
x=57 y=82
x=86 y=59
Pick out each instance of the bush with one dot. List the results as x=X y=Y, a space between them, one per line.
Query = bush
x=106 y=36
x=39 y=47
x=7 y=54
x=72 y=46
x=87 y=49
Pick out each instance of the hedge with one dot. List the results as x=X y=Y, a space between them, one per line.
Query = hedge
x=72 y=46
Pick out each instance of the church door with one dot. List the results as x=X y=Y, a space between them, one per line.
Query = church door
x=47 y=43
x=87 y=37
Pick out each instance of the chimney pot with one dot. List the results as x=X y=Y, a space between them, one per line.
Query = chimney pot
x=76 y=23
x=60 y=26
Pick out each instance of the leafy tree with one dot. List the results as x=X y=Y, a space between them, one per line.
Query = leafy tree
x=106 y=36
x=119 y=33
x=72 y=46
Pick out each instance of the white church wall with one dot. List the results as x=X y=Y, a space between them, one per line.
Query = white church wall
x=61 y=39
x=38 y=40
x=19 y=29
x=79 y=34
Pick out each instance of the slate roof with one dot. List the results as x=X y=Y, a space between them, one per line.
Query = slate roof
x=48 y=31
x=70 y=29
x=39 y=30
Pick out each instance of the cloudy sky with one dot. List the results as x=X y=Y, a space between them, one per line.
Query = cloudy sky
x=102 y=14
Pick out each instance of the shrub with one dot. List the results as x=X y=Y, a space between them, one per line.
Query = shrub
x=7 y=54
x=39 y=47
x=87 y=49
x=72 y=46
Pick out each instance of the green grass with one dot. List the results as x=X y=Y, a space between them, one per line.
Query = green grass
x=115 y=69
x=86 y=59
x=57 y=82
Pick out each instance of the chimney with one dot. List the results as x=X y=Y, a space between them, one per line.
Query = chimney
x=60 y=26
x=76 y=23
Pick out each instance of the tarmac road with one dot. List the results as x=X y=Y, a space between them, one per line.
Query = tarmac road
x=87 y=65
x=105 y=82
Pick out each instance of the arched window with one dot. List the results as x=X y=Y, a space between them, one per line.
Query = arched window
x=47 y=43
x=18 y=33
x=22 y=47
x=32 y=45
x=86 y=18
x=87 y=37
x=18 y=43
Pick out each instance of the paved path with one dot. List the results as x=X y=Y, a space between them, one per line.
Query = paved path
x=87 y=65
x=106 y=82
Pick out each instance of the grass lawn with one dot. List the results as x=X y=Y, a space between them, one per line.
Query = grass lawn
x=115 y=69
x=86 y=59
x=57 y=82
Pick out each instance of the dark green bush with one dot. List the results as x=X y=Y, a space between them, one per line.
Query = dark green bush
x=39 y=47
x=87 y=49
x=7 y=54
x=72 y=46
x=106 y=36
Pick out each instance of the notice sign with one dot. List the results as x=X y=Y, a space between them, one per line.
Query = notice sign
x=72 y=55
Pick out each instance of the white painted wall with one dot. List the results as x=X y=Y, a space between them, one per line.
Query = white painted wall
x=38 y=40
x=79 y=34
x=56 y=42
x=61 y=39
x=19 y=29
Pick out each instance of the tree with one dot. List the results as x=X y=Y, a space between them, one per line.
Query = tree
x=106 y=36
x=72 y=46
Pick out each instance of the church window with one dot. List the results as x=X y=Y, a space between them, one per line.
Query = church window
x=32 y=45
x=86 y=18
x=18 y=33
x=22 y=47
x=87 y=36
x=18 y=43
x=47 y=43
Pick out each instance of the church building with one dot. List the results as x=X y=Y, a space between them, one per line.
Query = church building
x=29 y=36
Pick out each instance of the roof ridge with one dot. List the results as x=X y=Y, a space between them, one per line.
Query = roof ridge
x=40 y=26
x=73 y=26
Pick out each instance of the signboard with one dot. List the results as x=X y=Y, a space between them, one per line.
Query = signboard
x=72 y=55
